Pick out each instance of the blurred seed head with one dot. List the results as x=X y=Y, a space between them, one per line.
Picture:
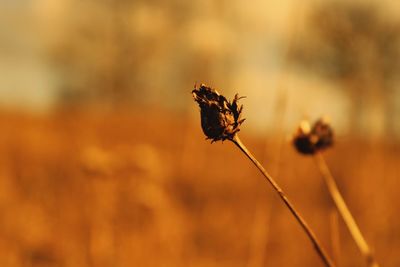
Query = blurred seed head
x=312 y=138
x=220 y=118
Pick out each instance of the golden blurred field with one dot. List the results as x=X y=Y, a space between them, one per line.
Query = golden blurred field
x=103 y=162
x=123 y=189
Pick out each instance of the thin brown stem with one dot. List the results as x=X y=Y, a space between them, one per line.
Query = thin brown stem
x=318 y=247
x=335 y=235
x=344 y=211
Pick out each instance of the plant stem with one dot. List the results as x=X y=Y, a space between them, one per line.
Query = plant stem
x=318 y=247
x=335 y=234
x=344 y=210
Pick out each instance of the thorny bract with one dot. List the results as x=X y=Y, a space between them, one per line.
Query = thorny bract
x=220 y=118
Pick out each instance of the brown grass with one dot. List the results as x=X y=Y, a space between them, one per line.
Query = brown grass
x=344 y=211
x=85 y=189
x=319 y=248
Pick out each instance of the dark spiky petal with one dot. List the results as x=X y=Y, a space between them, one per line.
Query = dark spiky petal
x=220 y=118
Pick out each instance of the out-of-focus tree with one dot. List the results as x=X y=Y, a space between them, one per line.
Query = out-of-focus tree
x=87 y=52
x=106 y=48
x=357 y=46
x=118 y=52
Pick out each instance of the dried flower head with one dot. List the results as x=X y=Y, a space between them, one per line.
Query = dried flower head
x=310 y=139
x=220 y=118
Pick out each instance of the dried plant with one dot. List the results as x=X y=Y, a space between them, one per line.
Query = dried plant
x=309 y=140
x=221 y=120
x=312 y=140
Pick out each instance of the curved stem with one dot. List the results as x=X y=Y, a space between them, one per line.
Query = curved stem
x=318 y=247
x=344 y=210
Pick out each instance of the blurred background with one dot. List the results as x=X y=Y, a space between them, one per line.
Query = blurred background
x=103 y=162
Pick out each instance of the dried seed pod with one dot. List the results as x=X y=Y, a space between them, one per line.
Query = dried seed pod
x=220 y=118
x=309 y=140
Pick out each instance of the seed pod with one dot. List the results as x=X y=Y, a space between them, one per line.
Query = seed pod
x=309 y=140
x=220 y=118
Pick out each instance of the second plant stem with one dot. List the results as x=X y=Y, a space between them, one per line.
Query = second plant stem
x=318 y=247
x=344 y=210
